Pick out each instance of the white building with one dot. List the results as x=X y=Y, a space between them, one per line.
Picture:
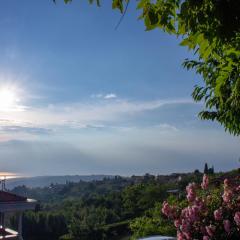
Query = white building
x=10 y=202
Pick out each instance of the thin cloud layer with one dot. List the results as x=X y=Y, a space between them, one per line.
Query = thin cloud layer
x=133 y=152
x=19 y=129
x=82 y=115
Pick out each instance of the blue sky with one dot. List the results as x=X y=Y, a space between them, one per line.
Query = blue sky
x=79 y=97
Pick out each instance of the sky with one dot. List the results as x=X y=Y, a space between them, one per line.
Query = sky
x=78 y=96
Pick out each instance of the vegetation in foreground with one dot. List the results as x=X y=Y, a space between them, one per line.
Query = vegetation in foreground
x=210 y=212
x=114 y=208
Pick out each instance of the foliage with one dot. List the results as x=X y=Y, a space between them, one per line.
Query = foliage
x=211 y=29
x=211 y=213
x=208 y=170
x=139 y=197
x=90 y=210
x=110 y=208
x=42 y=225
x=56 y=193
x=152 y=223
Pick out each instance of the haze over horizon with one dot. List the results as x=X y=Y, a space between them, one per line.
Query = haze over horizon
x=79 y=97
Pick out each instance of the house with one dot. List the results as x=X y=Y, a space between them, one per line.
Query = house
x=12 y=203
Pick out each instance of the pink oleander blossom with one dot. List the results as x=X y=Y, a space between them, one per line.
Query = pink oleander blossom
x=210 y=213
x=210 y=230
x=226 y=183
x=206 y=238
x=218 y=214
x=227 y=195
x=191 y=192
x=237 y=218
x=180 y=236
x=177 y=223
x=166 y=209
x=205 y=182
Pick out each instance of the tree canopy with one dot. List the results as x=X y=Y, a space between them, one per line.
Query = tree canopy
x=211 y=29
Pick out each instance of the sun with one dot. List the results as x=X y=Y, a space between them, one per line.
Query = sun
x=8 y=99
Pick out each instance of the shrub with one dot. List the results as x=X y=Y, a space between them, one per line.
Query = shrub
x=211 y=214
x=152 y=223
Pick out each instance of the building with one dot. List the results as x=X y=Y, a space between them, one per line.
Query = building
x=12 y=203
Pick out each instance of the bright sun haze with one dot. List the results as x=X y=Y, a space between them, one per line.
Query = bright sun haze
x=8 y=98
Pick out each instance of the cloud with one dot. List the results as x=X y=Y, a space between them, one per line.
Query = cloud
x=110 y=95
x=151 y=150
x=30 y=130
x=166 y=127
x=104 y=96
x=121 y=135
x=120 y=114
x=80 y=125
x=156 y=151
x=88 y=112
x=99 y=95
x=13 y=126
x=95 y=126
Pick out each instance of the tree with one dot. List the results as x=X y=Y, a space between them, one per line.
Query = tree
x=211 y=170
x=211 y=29
x=205 y=168
x=196 y=171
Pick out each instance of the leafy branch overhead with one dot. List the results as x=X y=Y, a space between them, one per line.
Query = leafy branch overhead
x=211 y=29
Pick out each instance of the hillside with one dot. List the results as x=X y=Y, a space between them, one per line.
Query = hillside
x=44 y=181
x=111 y=208
x=95 y=209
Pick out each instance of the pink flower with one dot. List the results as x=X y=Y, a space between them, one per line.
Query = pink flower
x=218 y=214
x=227 y=195
x=227 y=225
x=185 y=227
x=237 y=218
x=191 y=221
x=166 y=208
x=226 y=182
x=177 y=223
x=193 y=213
x=210 y=230
x=205 y=182
x=191 y=192
x=238 y=188
x=180 y=236
x=187 y=235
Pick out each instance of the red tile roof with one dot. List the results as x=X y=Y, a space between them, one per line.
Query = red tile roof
x=10 y=197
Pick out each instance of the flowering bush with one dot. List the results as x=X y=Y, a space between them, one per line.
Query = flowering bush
x=211 y=213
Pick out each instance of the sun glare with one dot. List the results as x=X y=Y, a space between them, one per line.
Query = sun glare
x=8 y=99
x=8 y=175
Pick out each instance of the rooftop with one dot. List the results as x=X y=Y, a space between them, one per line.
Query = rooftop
x=10 y=197
x=10 y=202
